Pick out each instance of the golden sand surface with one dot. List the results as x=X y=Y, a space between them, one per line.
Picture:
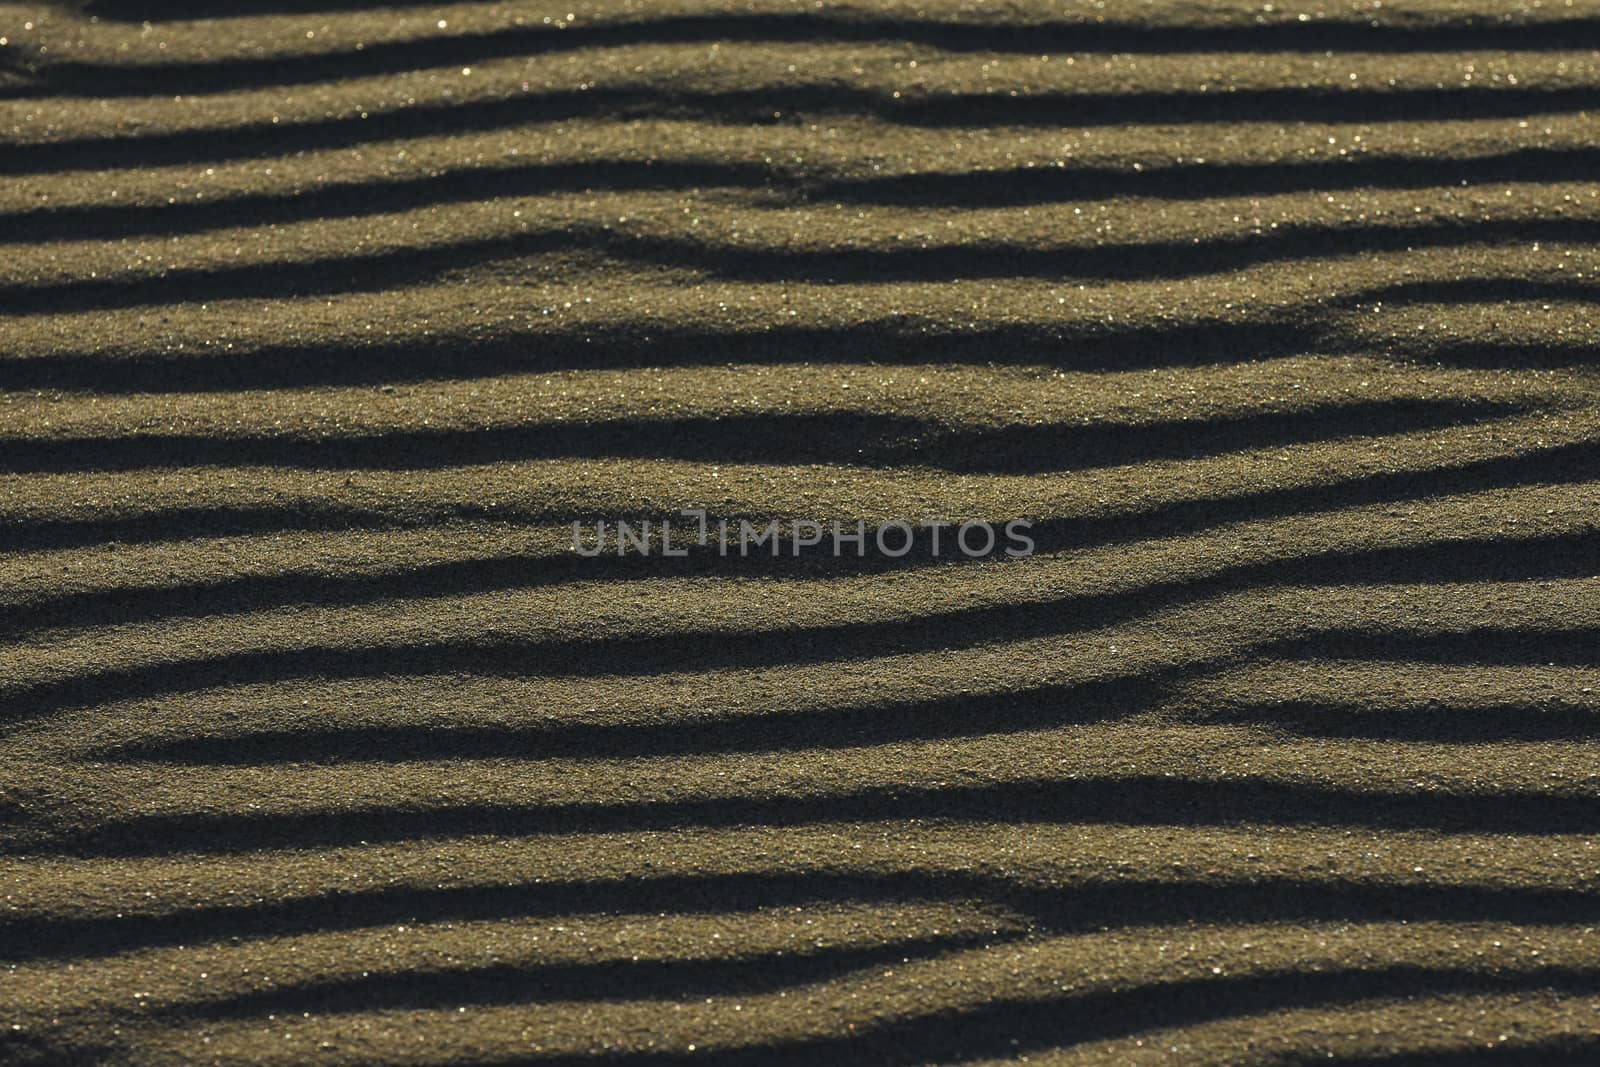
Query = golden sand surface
x=322 y=321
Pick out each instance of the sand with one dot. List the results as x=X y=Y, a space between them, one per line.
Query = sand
x=322 y=321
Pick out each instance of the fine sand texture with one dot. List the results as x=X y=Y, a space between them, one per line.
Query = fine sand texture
x=322 y=321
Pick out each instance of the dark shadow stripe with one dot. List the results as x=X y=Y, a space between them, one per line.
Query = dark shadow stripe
x=253 y=140
x=333 y=275
x=601 y=980
x=377 y=196
x=1437 y=722
x=267 y=139
x=797 y=28
x=829 y=729
x=1494 y=645
x=1020 y=186
x=1489 y=355
x=898 y=341
x=1123 y=801
x=856 y=438
x=1197 y=181
x=806 y=730
x=1282 y=104
x=178 y=524
x=1142 y=261
x=1463 y=291
x=1435 y=33
x=1113 y=904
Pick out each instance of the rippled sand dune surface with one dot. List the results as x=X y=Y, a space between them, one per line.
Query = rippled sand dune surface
x=323 y=321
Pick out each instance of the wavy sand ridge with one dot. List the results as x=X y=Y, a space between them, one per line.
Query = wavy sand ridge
x=321 y=321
